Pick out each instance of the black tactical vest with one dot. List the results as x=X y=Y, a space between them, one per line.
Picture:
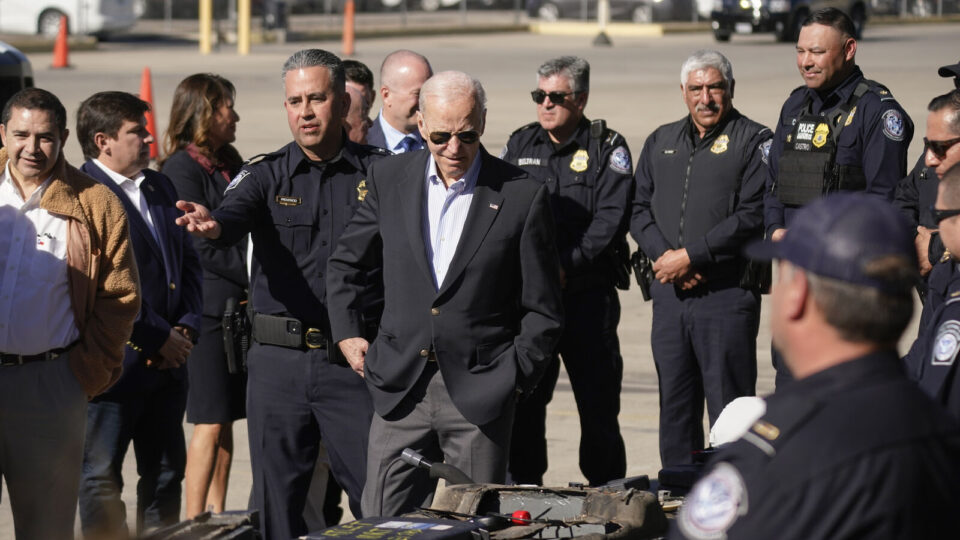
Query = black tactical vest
x=807 y=167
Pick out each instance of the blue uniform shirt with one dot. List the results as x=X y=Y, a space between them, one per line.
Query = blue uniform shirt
x=296 y=210
x=876 y=139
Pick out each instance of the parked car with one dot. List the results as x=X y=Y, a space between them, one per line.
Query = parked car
x=97 y=17
x=640 y=11
x=782 y=17
x=433 y=5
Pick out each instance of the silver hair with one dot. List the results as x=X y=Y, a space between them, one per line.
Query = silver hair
x=704 y=59
x=450 y=84
x=574 y=68
x=307 y=58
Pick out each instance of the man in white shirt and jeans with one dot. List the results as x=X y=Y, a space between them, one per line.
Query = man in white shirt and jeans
x=68 y=299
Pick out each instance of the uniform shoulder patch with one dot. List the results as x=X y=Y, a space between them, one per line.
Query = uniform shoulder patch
x=238 y=178
x=893 y=125
x=765 y=151
x=946 y=344
x=714 y=504
x=620 y=160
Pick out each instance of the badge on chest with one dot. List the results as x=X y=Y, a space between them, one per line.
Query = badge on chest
x=579 y=161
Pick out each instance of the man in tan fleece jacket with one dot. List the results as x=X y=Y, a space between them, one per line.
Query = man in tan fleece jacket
x=69 y=295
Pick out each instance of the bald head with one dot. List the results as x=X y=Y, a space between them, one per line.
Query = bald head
x=402 y=74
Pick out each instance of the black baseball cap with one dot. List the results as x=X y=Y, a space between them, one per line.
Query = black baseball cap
x=952 y=70
x=838 y=235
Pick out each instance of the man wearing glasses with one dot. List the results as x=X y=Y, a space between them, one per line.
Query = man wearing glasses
x=932 y=357
x=588 y=172
x=915 y=197
x=698 y=201
x=837 y=132
x=472 y=308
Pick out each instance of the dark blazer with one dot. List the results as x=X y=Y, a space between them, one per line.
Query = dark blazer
x=170 y=278
x=497 y=317
x=224 y=270
x=375 y=135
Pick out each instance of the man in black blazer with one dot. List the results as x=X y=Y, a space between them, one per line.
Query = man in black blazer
x=146 y=405
x=472 y=308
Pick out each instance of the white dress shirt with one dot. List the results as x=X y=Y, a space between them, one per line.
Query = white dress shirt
x=131 y=187
x=394 y=137
x=445 y=213
x=36 y=314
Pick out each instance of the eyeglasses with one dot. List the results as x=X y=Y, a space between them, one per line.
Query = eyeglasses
x=443 y=137
x=940 y=215
x=940 y=148
x=539 y=95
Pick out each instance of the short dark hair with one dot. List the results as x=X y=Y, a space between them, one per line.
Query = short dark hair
x=834 y=18
x=307 y=58
x=358 y=72
x=37 y=99
x=105 y=112
x=866 y=314
x=950 y=184
x=950 y=100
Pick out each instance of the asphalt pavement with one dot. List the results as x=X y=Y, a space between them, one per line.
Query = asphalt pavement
x=635 y=87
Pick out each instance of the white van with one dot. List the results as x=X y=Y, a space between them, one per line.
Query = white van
x=83 y=16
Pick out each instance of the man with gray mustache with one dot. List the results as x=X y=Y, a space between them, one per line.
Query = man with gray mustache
x=698 y=201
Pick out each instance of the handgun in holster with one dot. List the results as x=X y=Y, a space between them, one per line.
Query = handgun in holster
x=643 y=271
x=236 y=334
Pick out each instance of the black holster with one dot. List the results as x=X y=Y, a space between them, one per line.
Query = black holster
x=643 y=272
x=236 y=335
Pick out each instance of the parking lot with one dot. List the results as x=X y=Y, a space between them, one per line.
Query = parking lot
x=634 y=86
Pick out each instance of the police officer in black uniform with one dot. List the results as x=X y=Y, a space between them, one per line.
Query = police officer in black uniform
x=931 y=358
x=851 y=448
x=296 y=202
x=915 y=196
x=698 y=201
x=838 y=132
x=588 y=170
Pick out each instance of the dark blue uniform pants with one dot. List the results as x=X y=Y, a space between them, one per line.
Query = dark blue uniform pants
x=704 y=345
x=295 y=399
x=153 y=420
x=591 y=354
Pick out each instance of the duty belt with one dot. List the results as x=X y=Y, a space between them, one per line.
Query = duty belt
x=9 y=359
x=287 y=332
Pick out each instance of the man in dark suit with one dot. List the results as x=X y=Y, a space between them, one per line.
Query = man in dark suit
x=402 y=74
x=146 y=405
x=472 y=308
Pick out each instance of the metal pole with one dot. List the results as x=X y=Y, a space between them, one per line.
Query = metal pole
x=463 y=12
x=603 y=15
x=243 y=27
x=206 y=26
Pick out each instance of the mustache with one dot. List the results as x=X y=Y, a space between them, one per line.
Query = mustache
x=712 y=107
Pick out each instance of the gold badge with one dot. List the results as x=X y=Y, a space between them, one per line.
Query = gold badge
x=820 y=135
x=720 y=145
x=766 y=430
x=853 y=111
x=789 y=137
x=579 y=161
x=362 y=190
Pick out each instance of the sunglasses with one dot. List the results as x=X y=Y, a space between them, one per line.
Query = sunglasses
x=940 y=215
x=940 y=148
x=443 y=137
x=555 y=97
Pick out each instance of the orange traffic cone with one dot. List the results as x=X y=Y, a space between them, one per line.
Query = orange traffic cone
x=60 y=48
x=348 y=27
x=146 y=94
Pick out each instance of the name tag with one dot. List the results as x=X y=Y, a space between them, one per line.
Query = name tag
x=286 y=200
x=528 y=161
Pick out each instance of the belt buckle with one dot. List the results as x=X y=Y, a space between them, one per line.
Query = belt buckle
x=314 y=339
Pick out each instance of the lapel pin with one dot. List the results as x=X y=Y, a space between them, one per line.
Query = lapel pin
x=494 y=206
